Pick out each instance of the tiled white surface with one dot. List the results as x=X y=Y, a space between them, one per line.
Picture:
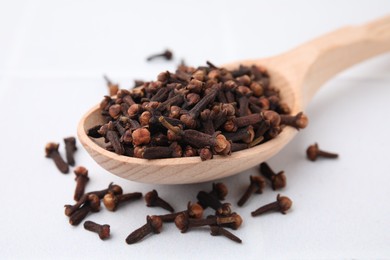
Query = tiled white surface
x=52 y=56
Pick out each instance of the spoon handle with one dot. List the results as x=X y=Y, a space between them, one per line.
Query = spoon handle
x=320 y=59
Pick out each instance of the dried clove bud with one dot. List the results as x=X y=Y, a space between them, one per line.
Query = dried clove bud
x=153 y=225
x=51 y=150
x=167 y=54
x=70 y=148
x=282 y=204
x=81 y=180
x=102 y=230
x=313 y=152
x=153 y=200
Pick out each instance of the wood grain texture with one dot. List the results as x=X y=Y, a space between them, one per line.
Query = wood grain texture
x=298 y=74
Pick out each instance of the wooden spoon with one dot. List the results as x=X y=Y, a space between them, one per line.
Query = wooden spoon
x=298 y=74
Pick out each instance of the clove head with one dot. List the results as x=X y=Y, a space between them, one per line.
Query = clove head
x=284 y=203
x=224 y=210
x=220 y=143
x=279 y=181
x=104 y=232
x=144 y=118
x=258 y=182
x=114 y=111
x=272 y=117
x=190 y=151
x=134 y=110
x=71 y=141
x=195 y=210
x=301 y=120
x=235 y=222
x=141 y=136
x=81 y=171
x=257 y=89
x=205 y=153
x=182 y=222
x=312 y=152
x=220 y=190
x=115 y=189
x=94 y=202
x=251 y=135
x=151 y=198
x=188 y=120
x=205 y=114
x=177 y=151
x=127 y=137
x=110 y=201
x=51 y=148
x=228 y=109
x=155 y=223
x=230 y=126
x=174 y=112
x=139 y=151
x=192 y=98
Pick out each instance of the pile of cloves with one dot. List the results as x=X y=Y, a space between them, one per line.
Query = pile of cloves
x=201 y=111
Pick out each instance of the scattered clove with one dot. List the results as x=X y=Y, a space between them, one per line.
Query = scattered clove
x=167 y=54
x=52 y=152
x=153 y=225
x=220 y=190
x=81 y=180
x=102 y=230
x=282 y=204
x=153 y=200
x=70 y=148
x=313 y=152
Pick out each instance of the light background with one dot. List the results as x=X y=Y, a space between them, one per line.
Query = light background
x=52 y=58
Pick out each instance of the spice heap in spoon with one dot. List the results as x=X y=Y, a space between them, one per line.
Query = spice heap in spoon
x=202 y=111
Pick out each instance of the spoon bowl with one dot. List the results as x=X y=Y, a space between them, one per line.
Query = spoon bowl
x=298 y=74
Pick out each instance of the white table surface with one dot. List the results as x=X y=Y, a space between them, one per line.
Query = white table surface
x=52 y=58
